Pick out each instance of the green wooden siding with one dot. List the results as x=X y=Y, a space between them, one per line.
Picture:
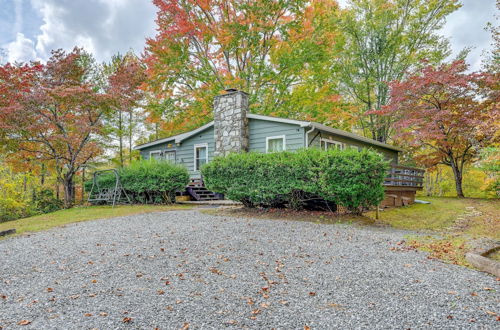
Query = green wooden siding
x=167 y=146
x=389 y=154
x=260 y=129
x=185 y=152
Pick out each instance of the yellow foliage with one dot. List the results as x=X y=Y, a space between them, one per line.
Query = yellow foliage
x=14 y=201
x=477 y=183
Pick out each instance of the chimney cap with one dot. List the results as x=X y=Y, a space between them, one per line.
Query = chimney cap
x=230 y=90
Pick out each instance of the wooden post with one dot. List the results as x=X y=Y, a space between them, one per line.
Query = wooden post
x=376 y=213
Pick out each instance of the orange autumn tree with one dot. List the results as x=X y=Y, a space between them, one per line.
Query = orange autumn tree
x=446 y=115
x=280 y=52
x=53 y=112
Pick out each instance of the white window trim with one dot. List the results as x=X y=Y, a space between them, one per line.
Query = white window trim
x=199 y=145
x=275 y=137
x=339 y=144
x=151 y=153
x=170 y=152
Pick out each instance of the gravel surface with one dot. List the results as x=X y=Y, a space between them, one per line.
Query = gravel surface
x=188 y=269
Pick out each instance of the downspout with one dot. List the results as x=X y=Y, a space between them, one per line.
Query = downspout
x=306 y=137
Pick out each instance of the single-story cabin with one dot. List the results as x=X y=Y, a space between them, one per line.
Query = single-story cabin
x=234 y=129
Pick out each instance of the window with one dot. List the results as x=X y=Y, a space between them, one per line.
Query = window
x=170 y=156
x=200 y=155
x=155 y=155
x=275 y=143
x=329 y=144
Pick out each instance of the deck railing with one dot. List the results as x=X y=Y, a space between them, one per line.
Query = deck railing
x=405 y=176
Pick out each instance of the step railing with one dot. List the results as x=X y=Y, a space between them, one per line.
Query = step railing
x=405 y=176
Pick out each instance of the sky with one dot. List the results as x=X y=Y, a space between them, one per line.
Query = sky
x=30 y=29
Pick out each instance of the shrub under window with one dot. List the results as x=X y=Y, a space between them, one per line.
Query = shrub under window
x=349 y=178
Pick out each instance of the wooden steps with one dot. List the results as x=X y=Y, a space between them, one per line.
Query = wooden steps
x=196 y=189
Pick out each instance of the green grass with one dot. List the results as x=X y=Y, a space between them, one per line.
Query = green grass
x=442 y=213
x=456 y=221
x=78 y=214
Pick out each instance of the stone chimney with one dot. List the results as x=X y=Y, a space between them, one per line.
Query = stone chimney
x=230 y=122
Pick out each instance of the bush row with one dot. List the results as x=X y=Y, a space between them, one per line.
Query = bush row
x=349 y=178
x=147 y=181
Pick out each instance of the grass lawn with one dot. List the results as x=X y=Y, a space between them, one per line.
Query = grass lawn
x=476 y=217
x=457 y=221
x=77 y=214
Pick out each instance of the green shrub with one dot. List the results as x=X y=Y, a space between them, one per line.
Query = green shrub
x=349 y=178
x=148 y=181
x=45 y=201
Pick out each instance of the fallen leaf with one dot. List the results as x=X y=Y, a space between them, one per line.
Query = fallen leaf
x=264 y=305
x=473 y=294
x=491 y=313
x=161 y=292
x=103 y=314
x=50 y=290
x=307 y=327
x=127 y=320
x=488 y=289
x=94 y=281
x=185 y=326
x=3 y=296
x=333 y=305
x=452 y=292
x=23 y=322
x=449 y=317
x=87 y=314
x=256 y=311
x=312 y=294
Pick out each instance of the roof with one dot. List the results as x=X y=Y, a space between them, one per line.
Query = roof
x=181 y=137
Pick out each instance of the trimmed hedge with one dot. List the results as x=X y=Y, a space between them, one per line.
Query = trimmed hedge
x=349 y=178
x=148 y=181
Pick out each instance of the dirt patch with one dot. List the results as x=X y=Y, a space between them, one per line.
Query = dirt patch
x=287 y=214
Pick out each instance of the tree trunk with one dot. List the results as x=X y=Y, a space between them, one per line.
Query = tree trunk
x=457 y=173
x=42 y=175
x=83 y=185
x=69 y=190
x=57 y=189
x=130 y=133
x=120 y=135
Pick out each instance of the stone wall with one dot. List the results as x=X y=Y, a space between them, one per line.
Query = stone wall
x=231 y=122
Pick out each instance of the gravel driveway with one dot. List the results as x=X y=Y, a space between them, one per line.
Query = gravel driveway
x=188 y=269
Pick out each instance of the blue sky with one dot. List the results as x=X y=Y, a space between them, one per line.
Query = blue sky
x=30 y=29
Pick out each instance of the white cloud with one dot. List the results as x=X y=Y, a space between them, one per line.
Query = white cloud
x=102 y=27
x=21 y=50
x=465 y=28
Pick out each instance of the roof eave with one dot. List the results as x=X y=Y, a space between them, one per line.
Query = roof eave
x=354 y=136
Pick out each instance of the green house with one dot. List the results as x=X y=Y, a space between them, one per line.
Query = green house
x=234 y=129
